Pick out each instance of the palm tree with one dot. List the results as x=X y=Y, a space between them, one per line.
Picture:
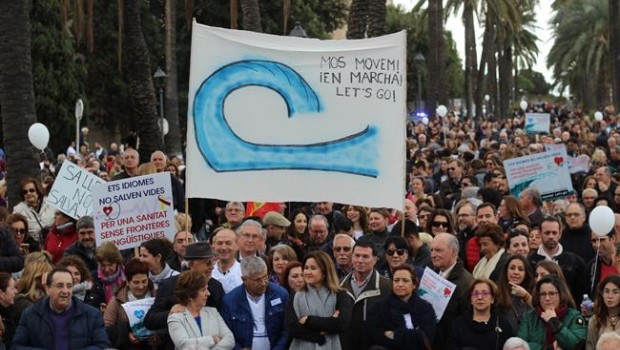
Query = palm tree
x=251 y=15
x=437 y=92
x=140 y=80
x=172 y=95
x=614 y=46
x=17 y=94
x=358 y=15
x=580 y=54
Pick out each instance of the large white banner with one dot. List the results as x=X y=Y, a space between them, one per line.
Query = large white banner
x=275 y=118
x=130 y=211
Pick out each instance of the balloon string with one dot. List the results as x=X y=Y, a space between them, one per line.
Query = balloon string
x=598 y=247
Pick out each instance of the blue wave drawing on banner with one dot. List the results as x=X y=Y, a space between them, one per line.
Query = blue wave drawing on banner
x=225 y=151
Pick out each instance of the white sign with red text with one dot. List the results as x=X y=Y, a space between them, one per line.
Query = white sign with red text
x=130 y=211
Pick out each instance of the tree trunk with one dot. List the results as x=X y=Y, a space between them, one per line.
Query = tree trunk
x=173 y=139
x=17 y=95
x=436 y=92
x=614 y=49
x=376 y=18
x=251 y=15
x=470 y=56
x=358 y=19
x=505 y=81
x=480 y=84
x=139 y=74
x=492 y=74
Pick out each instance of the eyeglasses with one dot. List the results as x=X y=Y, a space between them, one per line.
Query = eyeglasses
x=570 y=215
x=451 y=169
x=31 y=190
x=465 y=184
x=480 y=294
x=464 y=215
x=399 y=252
x=342 y=249
x=548 y=294
x=440 y=224
x=249 y=236
x=18 y=231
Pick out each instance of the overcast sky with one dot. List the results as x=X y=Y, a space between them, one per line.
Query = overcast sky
x=543 y=15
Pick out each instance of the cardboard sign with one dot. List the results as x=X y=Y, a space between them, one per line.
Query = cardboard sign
x=131 y=211
x=72 y=190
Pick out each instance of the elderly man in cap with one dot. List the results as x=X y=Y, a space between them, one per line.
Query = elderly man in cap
x=276 y=225
x=200 y=258
x=84 y=247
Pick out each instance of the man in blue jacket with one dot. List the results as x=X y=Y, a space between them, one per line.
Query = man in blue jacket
x=254 y=311
x=60 y=321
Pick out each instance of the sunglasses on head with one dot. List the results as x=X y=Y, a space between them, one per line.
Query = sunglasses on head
x=399 y=252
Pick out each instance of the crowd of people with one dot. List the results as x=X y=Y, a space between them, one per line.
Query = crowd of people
x=335 y=276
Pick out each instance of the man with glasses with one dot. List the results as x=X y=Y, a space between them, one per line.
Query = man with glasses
x=368 y=287
x=551 y=249
x=60 y=320
x=318 y=232
x=234 y=214
x=250 y=238
x=450 y=189
x=200 y=258
x=227 y=269
x=342 y=252
x=576 y=234
x=84 y=247
x=466 y=226
x=254 y=311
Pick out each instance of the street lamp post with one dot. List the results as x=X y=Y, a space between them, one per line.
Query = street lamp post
x=79 y=111
x=487 y=98
x=160 y=77
x=419 y=60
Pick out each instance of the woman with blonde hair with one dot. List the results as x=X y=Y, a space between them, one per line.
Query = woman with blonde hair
x=30 y=287
x=320 y=311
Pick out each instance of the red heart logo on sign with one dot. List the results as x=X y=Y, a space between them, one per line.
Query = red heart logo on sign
x=446 y=291
x=558 y=161
x=107 y=210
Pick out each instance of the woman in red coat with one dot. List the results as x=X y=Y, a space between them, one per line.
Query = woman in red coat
x=61 y=236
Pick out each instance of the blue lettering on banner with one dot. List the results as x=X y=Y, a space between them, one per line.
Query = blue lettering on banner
x=225 y=151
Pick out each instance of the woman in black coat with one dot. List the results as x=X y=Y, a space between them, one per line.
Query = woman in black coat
x=481 y=327
x=402 y=320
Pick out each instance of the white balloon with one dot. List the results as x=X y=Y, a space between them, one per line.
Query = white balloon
x=38 y=135
x=601 y=221
x=598 y=116
x=442 y=111
x=425 y=121
x=523 y=105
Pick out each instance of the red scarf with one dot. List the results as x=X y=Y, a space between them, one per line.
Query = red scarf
x=560 y=313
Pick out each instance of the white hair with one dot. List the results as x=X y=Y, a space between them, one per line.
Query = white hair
x=516 y=343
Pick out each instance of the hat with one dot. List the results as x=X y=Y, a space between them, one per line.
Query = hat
x=276 y=219
x=198 y=250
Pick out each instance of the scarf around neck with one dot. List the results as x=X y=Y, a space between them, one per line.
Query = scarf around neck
x=560 y=312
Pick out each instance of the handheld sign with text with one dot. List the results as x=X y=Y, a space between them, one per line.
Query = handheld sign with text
x=131 y=211
x=72 y=190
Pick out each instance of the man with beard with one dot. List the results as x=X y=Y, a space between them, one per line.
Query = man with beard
x=466 y=224
x=342 y=250
x=604 y=264
x=84 y=247
x=551 y=249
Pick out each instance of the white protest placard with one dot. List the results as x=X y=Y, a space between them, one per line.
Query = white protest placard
x=537 y=122
x=277 y=118
x=436 y=290
x=131 y=211
x=72 y=190
x=575 y=164
x=136 y=311
x=547 y=172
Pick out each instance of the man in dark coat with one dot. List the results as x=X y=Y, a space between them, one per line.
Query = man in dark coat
x=368 y=287
x=11 y=259
x=444 y=255
x=576 y=234
x=60 y=320
x=200 y=258
x=84 y=247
